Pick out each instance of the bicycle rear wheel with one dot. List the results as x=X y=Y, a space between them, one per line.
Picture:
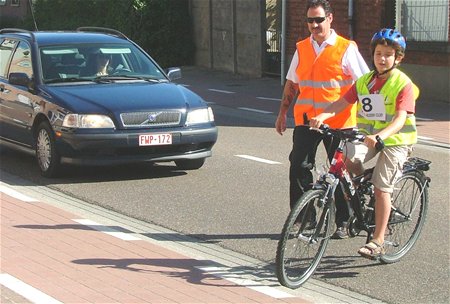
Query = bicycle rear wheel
x=409 y=210
x=304 y=239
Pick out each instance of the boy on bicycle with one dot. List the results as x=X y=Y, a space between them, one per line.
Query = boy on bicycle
x=386 y=105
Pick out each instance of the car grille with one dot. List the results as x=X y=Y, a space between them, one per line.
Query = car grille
x=151 y=119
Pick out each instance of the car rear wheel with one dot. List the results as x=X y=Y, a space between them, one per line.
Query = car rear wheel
x=47 y=157
x=190 y=164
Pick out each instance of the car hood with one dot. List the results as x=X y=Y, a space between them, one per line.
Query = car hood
x=123 y=97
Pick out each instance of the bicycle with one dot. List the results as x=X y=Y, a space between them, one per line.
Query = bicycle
x=308 y=227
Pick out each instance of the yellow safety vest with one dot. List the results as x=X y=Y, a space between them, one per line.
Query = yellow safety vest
x=407 y=135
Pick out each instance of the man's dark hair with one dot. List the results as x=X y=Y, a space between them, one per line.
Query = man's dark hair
x=325 y=4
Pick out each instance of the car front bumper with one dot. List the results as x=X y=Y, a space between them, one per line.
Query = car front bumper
x=123 y=146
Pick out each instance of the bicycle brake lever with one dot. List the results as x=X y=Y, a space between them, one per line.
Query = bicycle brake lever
x=380 y=143
x=305 y=119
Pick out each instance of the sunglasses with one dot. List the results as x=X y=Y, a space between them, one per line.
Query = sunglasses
x=317 y=20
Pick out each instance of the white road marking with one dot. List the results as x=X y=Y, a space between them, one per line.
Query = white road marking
x=255 y=110
x=425 y=138
x=15 y=194
x=262 y=160
x=107 y=230
x=221 y=91
x=25 y=290
x=267 y=98
x=225 y=273
x=424 y=119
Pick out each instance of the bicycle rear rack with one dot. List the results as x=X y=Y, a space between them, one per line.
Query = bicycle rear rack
x=417 y=162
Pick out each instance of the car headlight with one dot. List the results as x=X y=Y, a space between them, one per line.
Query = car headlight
x=200 y=116
x=87 y=121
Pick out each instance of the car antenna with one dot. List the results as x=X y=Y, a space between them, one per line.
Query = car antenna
x=32 y=15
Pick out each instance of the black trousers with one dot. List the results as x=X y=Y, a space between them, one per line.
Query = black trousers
x=302 y=160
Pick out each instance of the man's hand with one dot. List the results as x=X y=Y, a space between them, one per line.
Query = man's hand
x=290 y=91
x=317 y=121
x=280 y=123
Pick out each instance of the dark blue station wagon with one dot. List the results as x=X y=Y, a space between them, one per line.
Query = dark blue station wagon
x=94 y=97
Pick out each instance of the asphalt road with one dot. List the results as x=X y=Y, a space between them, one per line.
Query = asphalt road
x=241 y=203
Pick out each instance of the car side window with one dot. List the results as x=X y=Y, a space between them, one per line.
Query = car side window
x=21 y=61
x=6 y=49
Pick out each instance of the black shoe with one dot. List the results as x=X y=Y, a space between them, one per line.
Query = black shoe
x=341 y=233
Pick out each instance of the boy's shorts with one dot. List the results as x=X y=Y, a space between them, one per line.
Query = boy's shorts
x=388 y=167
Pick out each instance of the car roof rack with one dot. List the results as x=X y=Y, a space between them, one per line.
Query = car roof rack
x=17 y=30
x=102 y=30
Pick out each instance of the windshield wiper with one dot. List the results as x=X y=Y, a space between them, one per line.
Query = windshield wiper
x=126 y=77
x=69 y=79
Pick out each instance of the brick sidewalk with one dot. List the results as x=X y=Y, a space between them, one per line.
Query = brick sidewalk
x=65 y=261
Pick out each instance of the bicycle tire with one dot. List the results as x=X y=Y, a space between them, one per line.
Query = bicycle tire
x=410 y=206
x=293 y=271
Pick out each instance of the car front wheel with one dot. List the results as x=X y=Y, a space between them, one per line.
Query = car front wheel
x=47 y=157
x=190 y=164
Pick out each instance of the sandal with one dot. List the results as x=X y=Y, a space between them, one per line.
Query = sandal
x=372 y=250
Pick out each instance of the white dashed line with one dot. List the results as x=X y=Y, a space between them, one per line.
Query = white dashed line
x=255 y=110
x=25 y=290
x=424 y=138
x=236 y=278
x=267 y=98
x=221 y=91
x=424 y=119
x=107 y=230
x=261 y=160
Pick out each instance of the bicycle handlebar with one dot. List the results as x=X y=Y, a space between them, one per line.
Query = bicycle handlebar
x=344 y=134
x=348 y=135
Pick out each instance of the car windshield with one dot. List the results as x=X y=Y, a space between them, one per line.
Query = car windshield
x=91 y=62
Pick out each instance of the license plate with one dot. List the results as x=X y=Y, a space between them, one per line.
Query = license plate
x=155 y=139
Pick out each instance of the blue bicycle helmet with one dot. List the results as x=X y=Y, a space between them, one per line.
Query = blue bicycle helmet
x=391 y=35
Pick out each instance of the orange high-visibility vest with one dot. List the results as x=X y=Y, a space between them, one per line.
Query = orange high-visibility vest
x=322 y=81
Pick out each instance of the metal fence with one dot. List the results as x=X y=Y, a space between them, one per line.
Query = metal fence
x=424 y=20
x=273 y=53
x=273 y=40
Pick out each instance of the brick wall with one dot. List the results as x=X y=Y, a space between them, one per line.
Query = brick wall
x=14 y=11
x=369 y=16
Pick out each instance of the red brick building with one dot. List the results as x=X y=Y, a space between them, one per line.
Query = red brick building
x=231 y=35
x=426 y=62
x=14 y=9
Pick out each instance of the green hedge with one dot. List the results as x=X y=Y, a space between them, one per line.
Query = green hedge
x=161 y=27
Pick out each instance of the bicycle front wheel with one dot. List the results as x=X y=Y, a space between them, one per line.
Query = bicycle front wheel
x=304 y=239
x=409 y=209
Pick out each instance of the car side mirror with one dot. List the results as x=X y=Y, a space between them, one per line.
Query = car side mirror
x=174 y=73
x=21 y=79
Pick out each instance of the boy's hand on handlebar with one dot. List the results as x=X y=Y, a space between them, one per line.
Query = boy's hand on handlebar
x=374 y=141
x=370 y=141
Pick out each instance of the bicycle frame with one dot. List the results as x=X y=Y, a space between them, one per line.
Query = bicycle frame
x=338 y=174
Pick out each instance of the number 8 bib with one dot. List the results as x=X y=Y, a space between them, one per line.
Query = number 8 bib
x=372 y=107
